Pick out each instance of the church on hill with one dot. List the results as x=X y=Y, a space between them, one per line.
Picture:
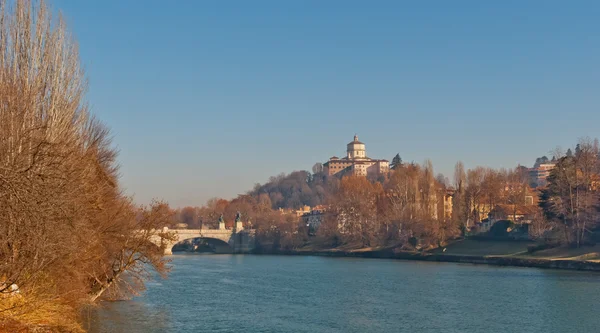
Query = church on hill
x=356 y=162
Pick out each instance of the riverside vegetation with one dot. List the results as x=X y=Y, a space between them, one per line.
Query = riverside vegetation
x=68 y=236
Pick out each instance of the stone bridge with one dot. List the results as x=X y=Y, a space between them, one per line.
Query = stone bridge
x=238 y=239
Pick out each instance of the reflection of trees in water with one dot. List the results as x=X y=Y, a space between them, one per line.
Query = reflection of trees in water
x=126 y=316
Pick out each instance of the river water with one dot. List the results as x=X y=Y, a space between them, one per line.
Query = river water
x=246 y=293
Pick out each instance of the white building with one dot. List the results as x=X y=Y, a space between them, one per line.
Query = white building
x=356 y=162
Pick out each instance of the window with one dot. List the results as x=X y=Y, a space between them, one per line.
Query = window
x=529 y=200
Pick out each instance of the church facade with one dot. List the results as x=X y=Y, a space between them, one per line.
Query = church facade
x=356 y=162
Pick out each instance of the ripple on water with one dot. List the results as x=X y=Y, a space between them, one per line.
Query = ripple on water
x=224 y=293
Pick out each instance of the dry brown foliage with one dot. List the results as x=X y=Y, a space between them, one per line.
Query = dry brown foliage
x=67 y=233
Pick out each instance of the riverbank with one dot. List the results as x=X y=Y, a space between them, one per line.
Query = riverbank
x=515 y=257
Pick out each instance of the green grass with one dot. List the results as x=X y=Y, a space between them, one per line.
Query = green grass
x=591 y=253
x=518 y=249
x=473 y=247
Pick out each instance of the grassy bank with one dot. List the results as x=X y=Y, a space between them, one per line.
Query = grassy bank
x=498 y=253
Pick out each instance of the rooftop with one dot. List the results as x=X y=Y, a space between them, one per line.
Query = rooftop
x=355 y=141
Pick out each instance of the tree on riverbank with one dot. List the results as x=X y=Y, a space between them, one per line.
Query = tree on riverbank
x=408 y=209
x=572 y=197
x=65 y=226
x=355 y=209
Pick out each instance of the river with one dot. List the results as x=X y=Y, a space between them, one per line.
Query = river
x=249 y=293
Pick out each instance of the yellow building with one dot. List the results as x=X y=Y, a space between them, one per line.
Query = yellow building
x=356 y=162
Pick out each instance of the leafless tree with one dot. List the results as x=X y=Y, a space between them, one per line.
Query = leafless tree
x=64 y=222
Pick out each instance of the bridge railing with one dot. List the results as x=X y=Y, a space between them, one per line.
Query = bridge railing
x=165 y=229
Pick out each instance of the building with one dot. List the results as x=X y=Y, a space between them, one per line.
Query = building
x=448 y=205
x=595 y=182
x=538 y=175
x=513 y=193
x=532 y=196
x=356 y=162
x=519 y=214
x=305 y=209
x=314 y=218
x=515 y=213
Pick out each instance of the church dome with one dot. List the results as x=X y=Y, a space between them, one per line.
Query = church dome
x=356 y=149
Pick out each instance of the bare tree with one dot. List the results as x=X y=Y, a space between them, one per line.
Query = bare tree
x=64 y=222
x=459 y=204
x=317 y=168
x=571 y=197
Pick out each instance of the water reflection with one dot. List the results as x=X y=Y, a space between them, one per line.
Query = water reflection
x=224 y=293
x=127 y=316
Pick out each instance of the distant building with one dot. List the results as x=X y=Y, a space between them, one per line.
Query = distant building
x=538 y=175
x=356 y=162
x=532 y=196
x=515 y=213
x=314 y=218
x=595 y=183
x=520 y=214
x=448 y=208
x=286 y=211
x=305 y=209
x=523 y=195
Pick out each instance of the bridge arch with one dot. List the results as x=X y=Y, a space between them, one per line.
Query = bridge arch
x=216 y=245
x=239 y=240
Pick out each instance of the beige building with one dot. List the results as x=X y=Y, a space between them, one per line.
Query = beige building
x=539 y=174
x=448 y=205
x=356 y=162
x=304 y=210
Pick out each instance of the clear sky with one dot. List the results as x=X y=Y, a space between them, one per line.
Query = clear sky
x=206 y=98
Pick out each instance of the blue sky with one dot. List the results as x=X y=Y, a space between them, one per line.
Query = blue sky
x=206 y=98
